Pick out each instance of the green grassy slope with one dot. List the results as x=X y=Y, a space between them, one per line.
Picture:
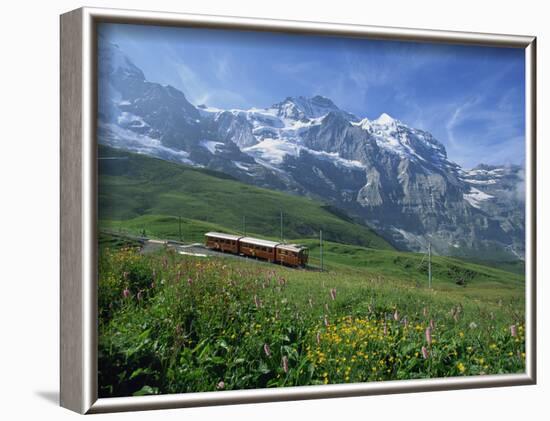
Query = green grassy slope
x=412 y=269
x=138 y=192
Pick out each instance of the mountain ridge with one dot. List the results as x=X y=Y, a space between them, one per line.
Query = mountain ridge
x=396 y=179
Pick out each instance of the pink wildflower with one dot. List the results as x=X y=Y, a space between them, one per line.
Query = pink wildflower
x=333 y=294
x=425 y=353
x=220 y=385
x=396 y=316
x=318 y=338
x=326 y=320
x=429 y=335
x=285 y=364
x=267 y=350
x=126 y=293
x=513 y=331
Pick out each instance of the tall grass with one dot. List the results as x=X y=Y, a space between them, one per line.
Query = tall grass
x=171 y=324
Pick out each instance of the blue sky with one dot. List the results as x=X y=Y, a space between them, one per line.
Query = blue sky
x=470 y=98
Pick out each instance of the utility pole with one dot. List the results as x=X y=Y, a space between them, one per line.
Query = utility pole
x=179 y=223
x=430 y=265
x=282 y=240
x=321 y=248
x=244 y=225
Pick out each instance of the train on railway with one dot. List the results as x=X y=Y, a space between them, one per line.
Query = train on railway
x=286 y=254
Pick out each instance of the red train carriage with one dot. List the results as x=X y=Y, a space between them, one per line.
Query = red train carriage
x=255 y=247
x=287 y=254
x=292 y=254
x=222 y=242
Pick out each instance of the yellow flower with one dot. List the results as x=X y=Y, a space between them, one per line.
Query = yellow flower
x=461 y=367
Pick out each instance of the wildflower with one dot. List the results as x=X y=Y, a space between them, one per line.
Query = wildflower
x=326 y=321
x=310 y=303
x=318 y=338
x=405 y=322
x=425 y=353
x=326 y=308
x=425 y=311
x=333 y=294
x=428 y=335
x=257 y=301
x=473 y=325
x=461 y=367
x=267 y=350
x=513 y=331
x=189 y=281
x=285 y=363
x=140 y=295
x=396 y=316
x=385 y=328
x=220 y=385
x=126 y=293
x=432 y=324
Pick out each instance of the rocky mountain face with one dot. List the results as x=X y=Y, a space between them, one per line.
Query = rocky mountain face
x=392 y=177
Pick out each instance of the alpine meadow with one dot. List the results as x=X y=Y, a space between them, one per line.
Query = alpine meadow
x=251 y=240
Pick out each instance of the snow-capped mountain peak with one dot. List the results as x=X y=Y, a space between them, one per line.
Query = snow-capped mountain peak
x=301 y=107
x=385 y=120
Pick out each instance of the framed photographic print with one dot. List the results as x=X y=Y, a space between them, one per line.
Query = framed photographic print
x=256 y=210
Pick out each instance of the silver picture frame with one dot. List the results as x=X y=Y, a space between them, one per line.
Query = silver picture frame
x=78 y=201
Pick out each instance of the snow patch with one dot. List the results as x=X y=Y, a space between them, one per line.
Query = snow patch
x=273 y=151
x=116 y=136
x=210 y=145
x=129 y=119
x=481 y=182
x=475 y=197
